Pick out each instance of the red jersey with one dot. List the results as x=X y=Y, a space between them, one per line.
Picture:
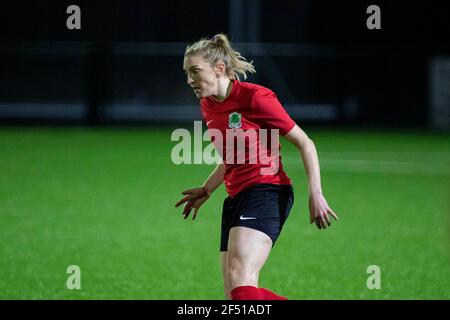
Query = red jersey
x=248 y=107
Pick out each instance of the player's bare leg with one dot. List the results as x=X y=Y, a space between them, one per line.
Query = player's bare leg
x=248 y=250
x=226 y=281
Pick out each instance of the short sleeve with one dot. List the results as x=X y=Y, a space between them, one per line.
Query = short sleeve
x=269 y=113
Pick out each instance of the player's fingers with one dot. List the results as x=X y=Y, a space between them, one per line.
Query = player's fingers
x=323 y=222
x=186 y=215
x=334 y=215
x=317 y=223
x=195 y=213
x=187 y=210
x=181 y=201
x=327 y=218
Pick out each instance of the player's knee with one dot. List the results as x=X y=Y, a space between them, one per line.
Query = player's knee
x=238 y=273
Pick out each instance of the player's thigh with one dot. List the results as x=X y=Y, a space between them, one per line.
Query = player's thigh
x=248 y=249
x=225 y=273
x=223 y=262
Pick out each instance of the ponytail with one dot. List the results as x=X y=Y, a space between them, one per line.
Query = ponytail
x=219 y=48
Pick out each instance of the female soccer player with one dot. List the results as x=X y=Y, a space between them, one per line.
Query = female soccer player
x=258 y=203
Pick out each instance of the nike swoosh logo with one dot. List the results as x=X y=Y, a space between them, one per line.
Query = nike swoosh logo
x=246 y=218
x=209 y=122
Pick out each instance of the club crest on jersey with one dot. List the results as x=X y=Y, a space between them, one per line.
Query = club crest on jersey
x=235 y=120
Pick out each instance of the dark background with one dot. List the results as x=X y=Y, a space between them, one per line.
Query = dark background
x=125 y=64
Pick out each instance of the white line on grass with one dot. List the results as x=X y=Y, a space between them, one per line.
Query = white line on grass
x=378 y=166
x=408 y=163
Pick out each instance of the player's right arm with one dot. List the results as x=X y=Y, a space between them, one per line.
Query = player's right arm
x=194 y=198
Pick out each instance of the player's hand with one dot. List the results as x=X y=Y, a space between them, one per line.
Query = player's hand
x=319 y=211
x=193 y=199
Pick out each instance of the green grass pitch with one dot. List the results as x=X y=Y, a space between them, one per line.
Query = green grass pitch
x=103 y=199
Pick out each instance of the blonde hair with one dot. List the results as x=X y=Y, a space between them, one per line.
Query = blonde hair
x=218 y=48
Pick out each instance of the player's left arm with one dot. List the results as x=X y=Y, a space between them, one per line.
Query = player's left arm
x=318 y=206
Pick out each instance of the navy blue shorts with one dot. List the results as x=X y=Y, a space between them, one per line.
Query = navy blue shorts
x=264 y=207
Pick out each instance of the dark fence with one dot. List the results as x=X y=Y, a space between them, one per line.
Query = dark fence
x=125 y=64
